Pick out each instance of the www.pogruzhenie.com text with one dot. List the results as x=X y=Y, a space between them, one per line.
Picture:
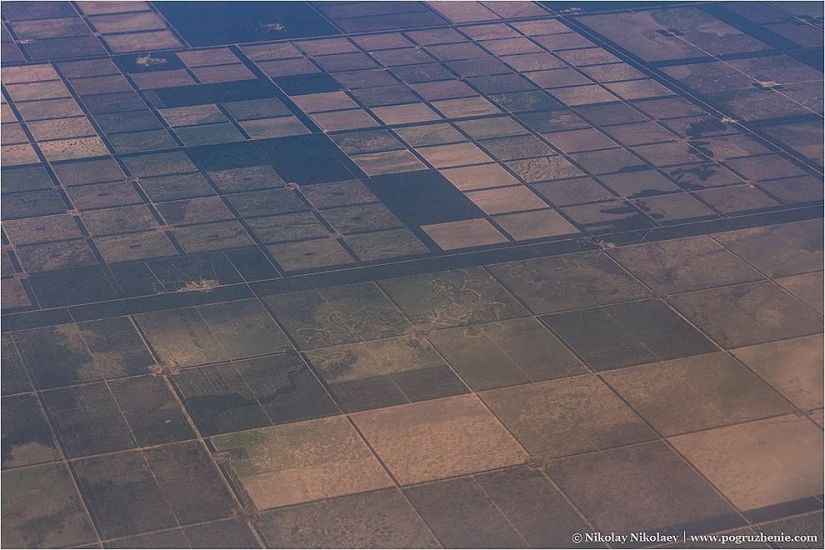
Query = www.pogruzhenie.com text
x=664 y=538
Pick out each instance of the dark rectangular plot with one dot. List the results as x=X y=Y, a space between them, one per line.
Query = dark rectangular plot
x=600 y=339
x=28 y=204
x=114 y=103
x=67 y=354
x=203 y=94
x=163 y=539
x=628 y=334
x=240 y=22
x=71 y=287
x=423 y=198
x=122 y=495
x=286 y=388
x=28 y=178
x=131 y=64
x=230 y=533
x=303 y=159
x=136 y=279
x=534 y=507
x=190 y=482
x=15 y=379
x=44 y=10
x=307 y=84
x=376 y=519
x=660 y=329
x=214 y=158
x=63 y=48
x=389 y=22
x=219 y=400
x=368 y=393
x=87 y=420
x=812 y=58
x=461 y=514
x=11 y=53
x=151 y=409
x=27 y=438
x=252 y=264
x=429 y=383
x=336 y=11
